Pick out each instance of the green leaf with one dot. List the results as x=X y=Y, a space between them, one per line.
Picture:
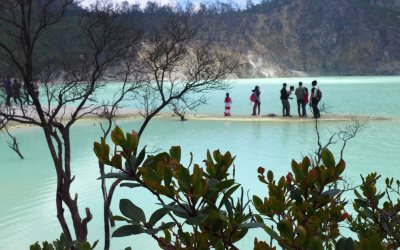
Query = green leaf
x=120 y=175
x=82 y=246
x=117 y=136
x=372 y=242
x=183 y=178
x=361 y=202
x=95 y=244
x=217 y=156
x=316 y=244
x=196 y=176
x=116 y=161
x=358 y=194
x=340 y=167
x=152 y=231
x=209 y=158
x=167 y=176
x=368 y=212
x=270 y=176
x=285 y=228
x=177 y=210
x=257 y=201
x=297 y=171
x=127 y=230
x=119 y=218
x=295 y=194
x=175 y=153
x=381 y=195
x=157 y=215
x=102 y=151
x=229 y=208
x=130 y=185
x=139 y=158
x=345 y=244
x=332 y=192
x=132 y=141
x=194 y=221
x=131 y=211
x=228 y=194
x=166 y=225
x=225 y=184
x=168 y=236
x=274 y=235
x=35 y=246
x=251 y=225
x=327 y=158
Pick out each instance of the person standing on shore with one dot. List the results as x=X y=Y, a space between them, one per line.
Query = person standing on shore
x=35 y=86
x=17 y=91
x=255 y=97
x=285 y=101
x=8 y=87
x=26 y=95
x=305 y=99
x=316 y=96
x=301 y=104
x=228 y=102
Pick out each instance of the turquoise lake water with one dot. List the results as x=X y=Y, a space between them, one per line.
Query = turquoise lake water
x=27 y=187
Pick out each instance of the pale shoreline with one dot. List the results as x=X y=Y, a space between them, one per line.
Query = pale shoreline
x=130 y=114
x=294 y=119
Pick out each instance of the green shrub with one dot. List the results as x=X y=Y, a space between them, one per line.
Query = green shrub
x=196 y=205
x=302 y=210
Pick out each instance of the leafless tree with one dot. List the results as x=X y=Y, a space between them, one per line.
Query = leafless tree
x=180 y=107
x=349 y=132
x=13 y=145
x=343 y=134
x=173 y=68
x=179 y=66
x=132 y=81
x=23 y=23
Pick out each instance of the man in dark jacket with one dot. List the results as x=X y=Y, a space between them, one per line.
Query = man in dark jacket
x=301 y=104
x=8 y=87
x=285 y=101
x=315 y=98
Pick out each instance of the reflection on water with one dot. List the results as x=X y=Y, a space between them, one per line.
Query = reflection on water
x=27 y=188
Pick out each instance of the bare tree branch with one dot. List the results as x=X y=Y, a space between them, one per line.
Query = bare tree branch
x=64 y=98
x=176 y=70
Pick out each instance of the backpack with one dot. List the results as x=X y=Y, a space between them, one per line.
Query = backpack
x=253 y=97
x=319 y=94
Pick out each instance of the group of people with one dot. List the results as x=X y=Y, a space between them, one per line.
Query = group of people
x=302 y=97
x=12 y=90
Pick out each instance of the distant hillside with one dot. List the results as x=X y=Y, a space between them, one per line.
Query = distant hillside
x=275 y=38
x=316 y=37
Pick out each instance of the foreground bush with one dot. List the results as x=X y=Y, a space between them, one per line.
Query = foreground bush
x=304 y=207
x=196 y=204
x=197 y=210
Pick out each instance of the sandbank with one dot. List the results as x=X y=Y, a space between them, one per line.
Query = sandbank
x=268 y=118
x=131 y=114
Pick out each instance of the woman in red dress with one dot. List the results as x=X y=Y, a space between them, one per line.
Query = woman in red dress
x=228 y=102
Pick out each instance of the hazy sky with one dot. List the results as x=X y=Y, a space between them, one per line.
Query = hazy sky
x=142 y=3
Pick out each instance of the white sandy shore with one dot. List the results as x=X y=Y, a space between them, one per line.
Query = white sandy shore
x=127 y=113
x=266 y=118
